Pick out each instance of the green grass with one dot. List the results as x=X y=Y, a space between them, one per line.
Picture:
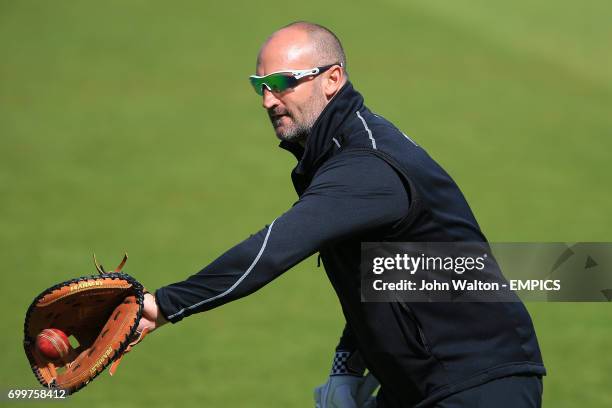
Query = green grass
x=129 y=125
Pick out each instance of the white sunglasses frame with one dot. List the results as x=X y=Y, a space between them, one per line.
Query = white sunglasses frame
x=297 y=74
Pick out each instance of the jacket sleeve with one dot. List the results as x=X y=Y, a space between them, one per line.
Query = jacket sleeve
x=347 y=340
x=350 y=194
x=347 y=358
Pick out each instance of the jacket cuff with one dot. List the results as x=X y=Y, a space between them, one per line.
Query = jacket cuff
x=166 y=308
x=347 y=363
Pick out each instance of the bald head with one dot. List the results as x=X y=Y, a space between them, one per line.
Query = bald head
x=293 y=110
x=305 y=41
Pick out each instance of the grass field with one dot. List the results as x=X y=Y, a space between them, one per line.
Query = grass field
x=129 y=125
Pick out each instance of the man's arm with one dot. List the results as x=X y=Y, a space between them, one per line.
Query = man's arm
x=350 y=194
x=347 y=340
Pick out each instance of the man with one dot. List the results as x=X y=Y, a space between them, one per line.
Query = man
x=361 y=179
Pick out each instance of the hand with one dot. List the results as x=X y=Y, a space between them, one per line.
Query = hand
x=152 y=318
x=346 y=391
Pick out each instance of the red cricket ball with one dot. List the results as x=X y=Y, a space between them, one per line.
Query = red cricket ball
x=53 y=344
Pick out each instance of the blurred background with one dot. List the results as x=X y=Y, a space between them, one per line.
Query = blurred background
x=131 y=126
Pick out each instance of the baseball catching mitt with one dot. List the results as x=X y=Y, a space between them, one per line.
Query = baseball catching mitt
x=101 y=312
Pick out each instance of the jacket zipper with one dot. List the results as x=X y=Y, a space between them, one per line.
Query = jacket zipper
x=424 y=341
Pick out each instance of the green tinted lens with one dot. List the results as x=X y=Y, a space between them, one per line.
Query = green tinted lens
x=257 y=84
x=278 y=82
x=274 y=82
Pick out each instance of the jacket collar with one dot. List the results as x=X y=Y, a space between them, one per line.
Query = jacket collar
x=328 y=125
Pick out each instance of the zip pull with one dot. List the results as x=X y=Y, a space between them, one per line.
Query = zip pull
x=319 y=260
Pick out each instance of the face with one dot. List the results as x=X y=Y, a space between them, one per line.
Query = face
x=294 y=111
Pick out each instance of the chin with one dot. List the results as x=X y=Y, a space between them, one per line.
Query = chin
x=287 y=135
x=284 y=135
x=285 y=138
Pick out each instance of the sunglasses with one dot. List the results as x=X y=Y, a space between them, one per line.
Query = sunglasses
x=282 y=80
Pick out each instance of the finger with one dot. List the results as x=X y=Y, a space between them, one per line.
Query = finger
x=370 y=403
x=342 y=397
x=370 y=383
x=145 y=324
x=317 y=397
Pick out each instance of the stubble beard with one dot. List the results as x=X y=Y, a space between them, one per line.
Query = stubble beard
x=299 y=130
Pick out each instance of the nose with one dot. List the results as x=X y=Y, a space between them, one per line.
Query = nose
x=269 y=100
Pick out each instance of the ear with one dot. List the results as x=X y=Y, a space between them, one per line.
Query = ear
x=333 y=81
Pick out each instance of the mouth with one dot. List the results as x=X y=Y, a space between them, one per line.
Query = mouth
x=277 y=118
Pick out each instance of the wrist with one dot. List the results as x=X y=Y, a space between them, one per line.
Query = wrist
x=160 y=318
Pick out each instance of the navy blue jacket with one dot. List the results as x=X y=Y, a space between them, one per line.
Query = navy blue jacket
x=361 y=179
